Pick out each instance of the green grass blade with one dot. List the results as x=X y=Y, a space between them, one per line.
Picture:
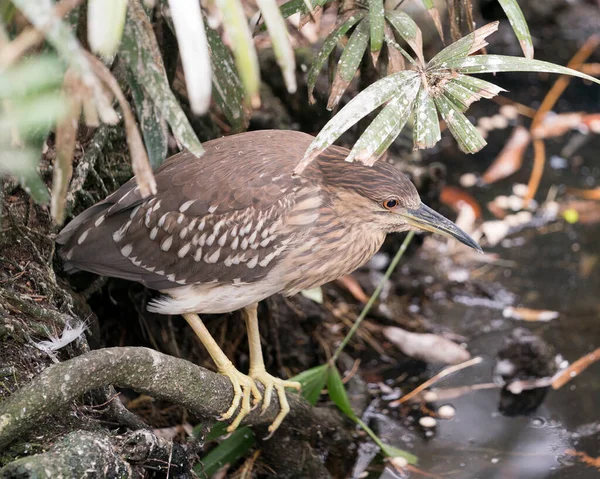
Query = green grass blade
x=408 y=30
x=349 y=62
x=227 y=452
x=519 y=25
x=313 y=381
x=426 y=125
x=140 y=53
x=390 y=120
x=360 y=106
x=502 y=63
x=328 y=46
x=337 y=393
x=465 y=46
x=237 y=30
x=468 y=138
x=282 y=47
x=377 y=23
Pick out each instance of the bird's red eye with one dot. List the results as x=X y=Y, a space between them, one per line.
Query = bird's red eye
x=390 y=203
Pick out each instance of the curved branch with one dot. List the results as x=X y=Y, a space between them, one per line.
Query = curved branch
x=204 y=393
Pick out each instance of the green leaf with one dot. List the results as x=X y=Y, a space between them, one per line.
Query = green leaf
x=464 y=90
x=41 y=14
x=34 y=112
x=502 y=63
x=22 y=164
x=468 y=138
x=377 y=22
x=227 y=452
x=337 y=393
x=360 y=106
x=32 y=75
x=139 y=51
x=349 y=62
x=408 y=30
x=328 y=45
x=105 y=22
x=299 y=6
x=426 y=126
x=219 y=429
x=193 y=51
x=282 y=47
x=465 y=46
x=313 y=381
x=154 y=127
x=519 y=25
x=227 y=86
x=240 y=38
x=389 y=122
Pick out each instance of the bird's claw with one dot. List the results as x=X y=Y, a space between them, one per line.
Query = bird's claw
x=272 y=383
x=244 y=387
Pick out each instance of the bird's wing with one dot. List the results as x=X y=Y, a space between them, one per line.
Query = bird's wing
x=220 y=218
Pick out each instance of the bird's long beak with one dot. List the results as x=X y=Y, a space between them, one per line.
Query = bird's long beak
x=425 y=218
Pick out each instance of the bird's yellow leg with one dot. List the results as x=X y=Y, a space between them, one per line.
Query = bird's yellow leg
x=243 y=386
x=259 y=373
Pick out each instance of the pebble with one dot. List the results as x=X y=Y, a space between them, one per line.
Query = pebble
x=520 y=189
x=499 y=122
x=446 y=411
x=485 y=123
x=515 y=203
x=509 y=111
x=502 y=202
x=427 y=421
x=468 y=180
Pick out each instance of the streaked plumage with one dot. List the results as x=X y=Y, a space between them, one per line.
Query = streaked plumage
x=235 y=226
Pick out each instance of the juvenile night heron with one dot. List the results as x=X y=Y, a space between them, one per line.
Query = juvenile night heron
x=227 y=230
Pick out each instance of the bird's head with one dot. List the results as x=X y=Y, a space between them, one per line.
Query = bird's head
x=385 y=197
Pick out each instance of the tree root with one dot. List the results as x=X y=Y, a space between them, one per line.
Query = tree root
x=204 y=393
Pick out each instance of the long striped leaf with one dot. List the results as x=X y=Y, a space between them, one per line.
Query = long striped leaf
x=237 y=30
x=519 y=25
x=408 y=30
x=377 y=23
x=193 y=50
x=502 y=63
x=328 y=45
x=468 y=138
x=426 y=125
x=360 y=106
x=465 y=90
x=465 y=46
x=139 y=51
x=390 y=121
x=349 y=62
x=227 y=86
x=284 y=52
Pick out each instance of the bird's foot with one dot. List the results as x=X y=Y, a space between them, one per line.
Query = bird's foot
x=272 y=383
x=244 y=388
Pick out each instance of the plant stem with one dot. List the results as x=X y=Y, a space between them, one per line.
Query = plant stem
x=374 y=296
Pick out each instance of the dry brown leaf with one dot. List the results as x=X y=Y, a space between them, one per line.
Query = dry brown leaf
x=593 y=194
x=585 y=458
x=588 y=211
x=353 y=288
x=528 y=314
x=510 y=158
x=457 y=198
x=553 y=125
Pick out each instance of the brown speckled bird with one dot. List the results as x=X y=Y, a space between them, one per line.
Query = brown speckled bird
x=236 y=226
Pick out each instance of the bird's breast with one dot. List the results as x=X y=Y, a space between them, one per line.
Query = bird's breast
x=322 y=258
